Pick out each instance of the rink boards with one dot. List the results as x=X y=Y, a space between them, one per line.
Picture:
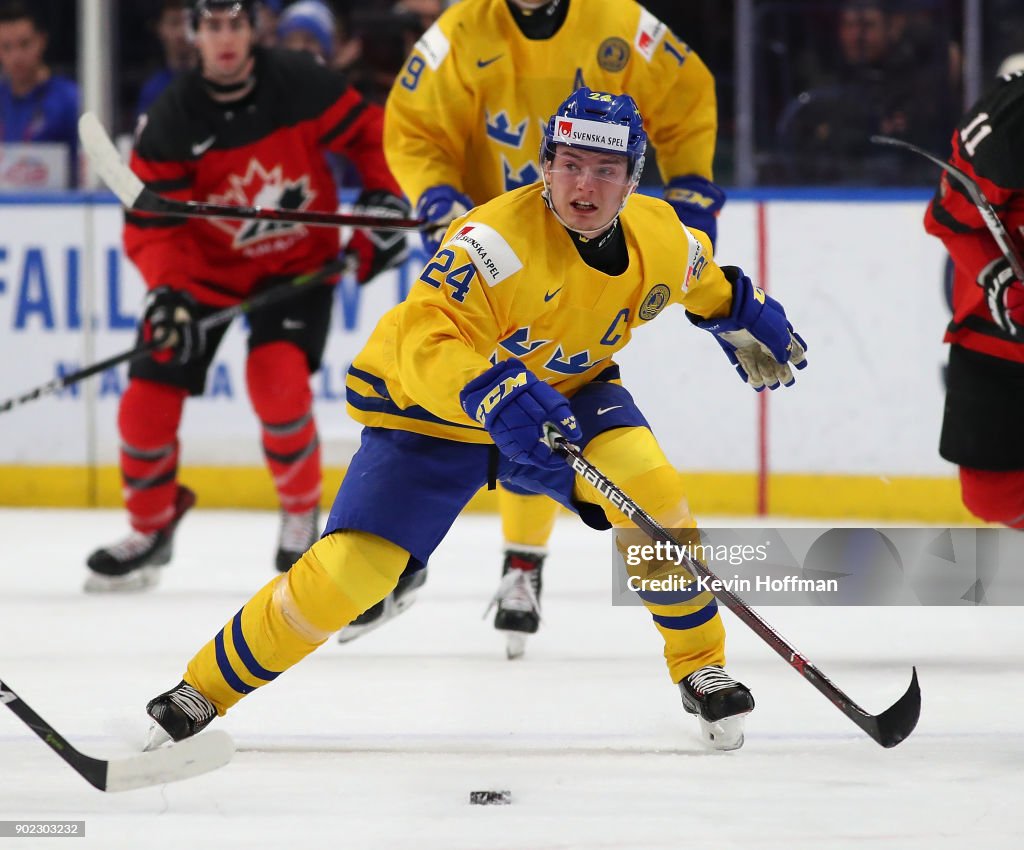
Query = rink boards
x=856 y=437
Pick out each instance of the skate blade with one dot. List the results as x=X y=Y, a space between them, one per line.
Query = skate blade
x=515 y=645
x=155 y=738
x=404 y=603
x=392 y=608
x=137 y=580
x=725 y=734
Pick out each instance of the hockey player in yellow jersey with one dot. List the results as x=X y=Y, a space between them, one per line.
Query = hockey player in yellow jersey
x=469 y=107
x=463 y=125
x=512 y=328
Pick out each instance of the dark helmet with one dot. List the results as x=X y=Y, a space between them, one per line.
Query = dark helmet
x=236 y=7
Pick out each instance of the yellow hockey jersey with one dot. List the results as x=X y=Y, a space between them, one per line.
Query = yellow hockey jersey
x=508 y=282
x=470 y=105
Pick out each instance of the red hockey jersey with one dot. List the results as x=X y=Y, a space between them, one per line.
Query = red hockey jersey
x=266 y=149
x=989 y=146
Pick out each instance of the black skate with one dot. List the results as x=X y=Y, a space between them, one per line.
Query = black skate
x=721 y=705
x=133 y=563
x=399 y=600
x=518 y=599
x=177 y=714
x=298 y=533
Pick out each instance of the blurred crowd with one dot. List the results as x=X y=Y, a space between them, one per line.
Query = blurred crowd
x=827 y=73
x=369 y=41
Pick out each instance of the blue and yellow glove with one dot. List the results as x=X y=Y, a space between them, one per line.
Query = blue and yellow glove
x=756 y=336
x=440 y=205
x=514 y=406
x=697 y=202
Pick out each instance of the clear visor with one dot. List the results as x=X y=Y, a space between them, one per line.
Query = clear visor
x=584 y=164
x=616 y=175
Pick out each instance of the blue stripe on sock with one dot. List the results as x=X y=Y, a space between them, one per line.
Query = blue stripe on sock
x=248 y=659
x=230 y=676
x=670 y=597
x=688 y=621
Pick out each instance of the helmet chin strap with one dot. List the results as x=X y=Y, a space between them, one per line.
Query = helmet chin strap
x=586 y=234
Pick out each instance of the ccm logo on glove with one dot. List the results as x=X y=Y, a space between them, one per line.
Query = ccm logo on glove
x=515 y=407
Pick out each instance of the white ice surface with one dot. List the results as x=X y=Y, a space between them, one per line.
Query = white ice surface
x=377 y=744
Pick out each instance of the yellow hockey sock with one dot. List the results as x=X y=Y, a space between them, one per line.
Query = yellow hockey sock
x=526 y=520
x=337 y=579
x=631 y=457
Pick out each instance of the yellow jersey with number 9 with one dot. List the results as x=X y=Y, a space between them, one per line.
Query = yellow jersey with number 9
x=470 y=105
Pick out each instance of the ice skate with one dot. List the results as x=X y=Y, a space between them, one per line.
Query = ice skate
x=399 y=600
x=298 y=532
x=134 y=563
x=721 y=705
x=177 y=714
x=518 y=599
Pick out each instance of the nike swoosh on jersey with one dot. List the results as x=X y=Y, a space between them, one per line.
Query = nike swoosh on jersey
x=549 y=295
x=601 y=411
x=203 y=147
x=483 y=63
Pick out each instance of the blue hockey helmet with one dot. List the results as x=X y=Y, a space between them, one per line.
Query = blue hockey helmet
x=598 y=121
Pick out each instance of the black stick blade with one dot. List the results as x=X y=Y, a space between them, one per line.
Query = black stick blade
x=898 y=720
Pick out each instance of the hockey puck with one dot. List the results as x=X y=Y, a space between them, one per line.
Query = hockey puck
x=490 y=798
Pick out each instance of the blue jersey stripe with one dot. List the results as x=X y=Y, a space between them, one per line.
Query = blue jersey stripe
x=384 y=405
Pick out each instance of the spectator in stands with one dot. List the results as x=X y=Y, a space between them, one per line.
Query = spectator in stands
x=876 y=87
x=36 y=105
x=267 y=22
x=1002 y=32
x=386 y=35
x=427 y=11
x=309 y=25
x=173 y=28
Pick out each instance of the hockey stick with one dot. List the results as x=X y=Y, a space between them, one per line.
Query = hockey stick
x=973 y=190
x=258 y=302
x=888 y=728
x=189 y=758
x=134 y=195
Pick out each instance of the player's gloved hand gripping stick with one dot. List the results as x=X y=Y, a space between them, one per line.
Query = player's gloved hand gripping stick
x=888 y=728
x=515 y=407
x=168 y=333
x=1003 y=281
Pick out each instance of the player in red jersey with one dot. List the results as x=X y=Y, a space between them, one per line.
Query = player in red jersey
x=985 y=381
x=249 y=126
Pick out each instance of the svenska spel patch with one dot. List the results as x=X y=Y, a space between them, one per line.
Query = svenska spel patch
x=593 y=134
x=491 y=254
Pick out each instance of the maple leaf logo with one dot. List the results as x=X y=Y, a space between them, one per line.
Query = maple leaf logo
x=263 y=188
